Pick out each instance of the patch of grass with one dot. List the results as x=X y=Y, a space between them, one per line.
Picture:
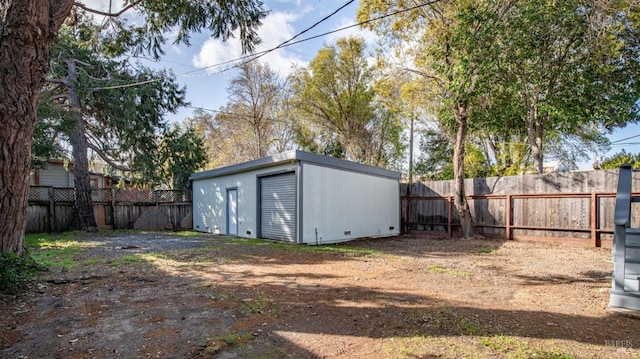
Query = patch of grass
x=219 y=343
x=516 y=348
x=188 y=234
x=257 y=305
x=91 y=262
x=48 y=240
x=294 y=247
x=485 y=251
x=410 y=347
x=468 y=327
x=53 y=250
x=439 y=269
x=51 y=257
x=542 y=354
x=156 y=255
x=56 y=249
x=502 y=343
x=446 y=320
x=128 y=259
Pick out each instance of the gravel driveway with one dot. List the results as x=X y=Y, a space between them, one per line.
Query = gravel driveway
x=128 y=243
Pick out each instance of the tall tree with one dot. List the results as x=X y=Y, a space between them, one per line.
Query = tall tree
x=255 y=95
x=451 y=45
x=206 y=127
x=335 y=98
x=615 y=161
x=119 y=124
x=574 y=65
x=181 y=153
x=254 y=123
x=29 y=28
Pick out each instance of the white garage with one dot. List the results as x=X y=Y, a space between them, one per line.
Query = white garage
x=297 y=197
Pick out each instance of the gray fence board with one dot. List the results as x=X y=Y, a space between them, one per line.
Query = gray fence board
x=51 y=209
x=555 y=202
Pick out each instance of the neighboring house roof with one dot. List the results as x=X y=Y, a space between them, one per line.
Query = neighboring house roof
x=295 y=156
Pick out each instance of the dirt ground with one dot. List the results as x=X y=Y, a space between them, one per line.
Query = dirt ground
x=165 y=296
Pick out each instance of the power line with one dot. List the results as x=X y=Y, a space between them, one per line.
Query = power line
x=624 y=139
x=316 y=24
x=249 y=57
x=255 y=56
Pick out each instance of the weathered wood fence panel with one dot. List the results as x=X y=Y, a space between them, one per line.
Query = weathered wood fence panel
x=51 y=209
x=568 y=206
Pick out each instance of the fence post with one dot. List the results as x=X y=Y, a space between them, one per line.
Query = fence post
x=507 y=225
x=114 y=220
x=595 y=235
x=52 y=211
x=449 y=214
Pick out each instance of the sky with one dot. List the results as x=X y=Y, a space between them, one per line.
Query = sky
x=206 y=84
x=207 y=88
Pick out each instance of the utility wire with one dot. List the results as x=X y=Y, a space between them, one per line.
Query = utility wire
x=624 y=139
x=248 y=58
x=314 y=25
x=255 y=56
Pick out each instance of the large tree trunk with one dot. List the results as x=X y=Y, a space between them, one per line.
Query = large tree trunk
x=84 y=218
x=28 y=28
x=459 y=197
x=84 y=204
x=535 y=129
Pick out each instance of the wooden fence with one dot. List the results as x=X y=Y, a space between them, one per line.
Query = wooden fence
x=575 y=207
x=51 y=209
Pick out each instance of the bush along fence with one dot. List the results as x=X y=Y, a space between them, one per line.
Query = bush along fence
x=51 y=209
x=569 y=207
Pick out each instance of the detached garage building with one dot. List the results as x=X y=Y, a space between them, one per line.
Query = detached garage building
x=297 y=197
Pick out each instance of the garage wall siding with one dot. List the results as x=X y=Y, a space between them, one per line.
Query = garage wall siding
x=343 y=204
x=210 y=196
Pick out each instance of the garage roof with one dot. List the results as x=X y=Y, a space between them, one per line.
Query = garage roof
x=296 y=156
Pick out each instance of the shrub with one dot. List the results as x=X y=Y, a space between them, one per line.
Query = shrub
x=15 y=272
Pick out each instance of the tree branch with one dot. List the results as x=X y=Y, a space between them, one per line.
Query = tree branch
x=57 y=81
x=108 y=160
x=109 y=13
x=424 y=75
x=59 y=96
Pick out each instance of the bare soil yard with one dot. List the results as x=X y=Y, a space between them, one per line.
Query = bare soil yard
x=167 y=296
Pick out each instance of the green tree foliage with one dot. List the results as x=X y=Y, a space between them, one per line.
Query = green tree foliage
x=25 y=49
x=618 y=159
x=435 y=162
x=119 y=124
x=181 y=153
x=337 y=110
x=562 y=69
x=50 y=127
x=177 y=18
x=450 y=44
x=393 y=114
x=573 y=66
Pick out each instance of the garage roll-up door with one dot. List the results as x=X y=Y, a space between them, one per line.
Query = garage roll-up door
x=278 y=207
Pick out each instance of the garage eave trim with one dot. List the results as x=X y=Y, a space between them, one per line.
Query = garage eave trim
x=295 y=156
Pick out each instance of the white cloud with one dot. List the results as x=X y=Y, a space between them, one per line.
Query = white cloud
x=103 y=5
x=276 y=28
